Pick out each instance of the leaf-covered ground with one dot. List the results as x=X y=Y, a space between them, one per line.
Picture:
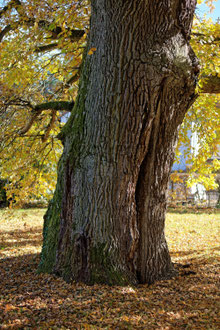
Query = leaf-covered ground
x=190 y=301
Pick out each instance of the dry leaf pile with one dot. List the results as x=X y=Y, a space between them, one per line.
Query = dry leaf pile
x=32 y=301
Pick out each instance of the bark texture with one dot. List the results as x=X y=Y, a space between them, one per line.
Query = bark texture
x=106 y=221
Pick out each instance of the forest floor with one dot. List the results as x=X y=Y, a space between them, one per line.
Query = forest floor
x=40 y=301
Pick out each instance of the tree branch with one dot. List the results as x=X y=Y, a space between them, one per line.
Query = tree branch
x=36 y=111
x=49 y=127
x=55 y=105
x=73 y=78
x=29 y=124
x=45 y=48
x=51 y=105
x=73 y=35
x=5 y=31
x=203 y=36
x=70 y=81
x=210 y=84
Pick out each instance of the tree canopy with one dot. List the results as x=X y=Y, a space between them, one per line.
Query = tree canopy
x=204 y=116
x=41 y=45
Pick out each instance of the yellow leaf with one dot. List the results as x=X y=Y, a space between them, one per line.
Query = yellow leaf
x=91 y=51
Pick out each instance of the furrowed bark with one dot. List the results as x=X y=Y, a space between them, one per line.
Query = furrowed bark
x=106 y=221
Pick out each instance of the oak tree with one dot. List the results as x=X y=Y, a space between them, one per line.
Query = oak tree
x=106 y=221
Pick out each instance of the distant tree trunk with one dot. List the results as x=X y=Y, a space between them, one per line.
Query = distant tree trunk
x=105 y=223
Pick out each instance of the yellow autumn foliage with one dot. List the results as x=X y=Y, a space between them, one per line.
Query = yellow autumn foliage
x=40 y=61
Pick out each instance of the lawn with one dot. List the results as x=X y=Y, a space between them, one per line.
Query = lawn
x=42 y=301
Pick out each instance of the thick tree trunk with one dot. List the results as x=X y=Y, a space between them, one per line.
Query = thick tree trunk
x=106 y=221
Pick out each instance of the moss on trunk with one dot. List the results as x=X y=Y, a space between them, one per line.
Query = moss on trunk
x=106 y=220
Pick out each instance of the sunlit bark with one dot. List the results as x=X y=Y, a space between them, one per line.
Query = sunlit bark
x=106 y=221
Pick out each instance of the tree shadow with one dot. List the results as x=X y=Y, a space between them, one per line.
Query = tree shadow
x=46 y=301
x=20 y=238
x=183 y=253
x=31 y=300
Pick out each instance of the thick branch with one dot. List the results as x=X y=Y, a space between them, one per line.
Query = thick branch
x=51 y=105
x=73 y=78
x=75 y=35
x=45 y=48
x=54 y=105
x=210 y=84
x=5 y=31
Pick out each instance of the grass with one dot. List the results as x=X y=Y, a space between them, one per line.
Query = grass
x=42 y=301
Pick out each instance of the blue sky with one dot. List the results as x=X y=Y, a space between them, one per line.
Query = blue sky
x=202 y=9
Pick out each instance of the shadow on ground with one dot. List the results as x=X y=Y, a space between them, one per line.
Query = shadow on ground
x=31 y=300
x=21 y=238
